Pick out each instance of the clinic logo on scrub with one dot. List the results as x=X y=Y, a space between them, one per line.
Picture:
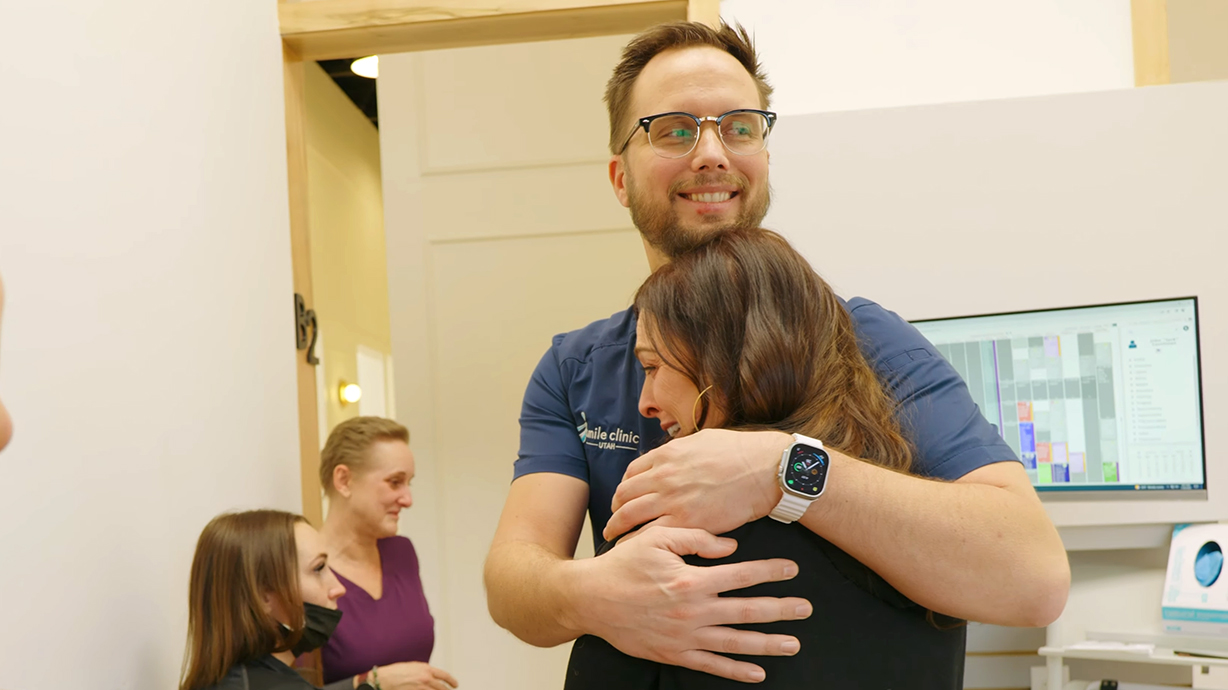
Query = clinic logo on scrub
x=618 y=439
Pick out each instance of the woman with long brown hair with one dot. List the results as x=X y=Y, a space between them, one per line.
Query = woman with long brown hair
x=261 y=593
x=741 y=333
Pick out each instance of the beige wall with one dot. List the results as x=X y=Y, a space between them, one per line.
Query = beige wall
x=348 y=264
x=1197 y=40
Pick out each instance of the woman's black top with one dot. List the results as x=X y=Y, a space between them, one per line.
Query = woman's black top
x=264 y=673
x=863 y=633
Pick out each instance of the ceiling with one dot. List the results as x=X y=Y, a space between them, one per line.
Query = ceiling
x=361 y=90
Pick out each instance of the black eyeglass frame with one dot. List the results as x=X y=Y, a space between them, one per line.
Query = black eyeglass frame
x=645 y=122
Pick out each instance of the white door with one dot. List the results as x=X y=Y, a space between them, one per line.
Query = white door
x=371 y=379
x=501 y=231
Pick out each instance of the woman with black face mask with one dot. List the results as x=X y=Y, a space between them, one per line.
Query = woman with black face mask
x=261 y=593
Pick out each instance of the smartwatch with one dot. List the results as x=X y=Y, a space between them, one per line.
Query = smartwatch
x=803 y=476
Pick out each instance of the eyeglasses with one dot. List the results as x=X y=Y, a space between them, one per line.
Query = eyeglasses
x=674 y=135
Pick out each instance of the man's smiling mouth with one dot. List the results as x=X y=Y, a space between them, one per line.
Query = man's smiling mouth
x=709 y=197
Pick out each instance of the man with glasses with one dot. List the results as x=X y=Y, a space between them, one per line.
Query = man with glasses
x=689 y=126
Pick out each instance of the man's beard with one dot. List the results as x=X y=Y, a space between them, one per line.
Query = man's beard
x=659 y=224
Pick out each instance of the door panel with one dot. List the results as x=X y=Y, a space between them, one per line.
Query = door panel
x=495 y=243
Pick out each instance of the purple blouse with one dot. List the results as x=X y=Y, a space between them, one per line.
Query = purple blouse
x=376 y=632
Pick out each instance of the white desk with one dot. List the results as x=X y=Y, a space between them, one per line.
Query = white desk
x=1055 y=656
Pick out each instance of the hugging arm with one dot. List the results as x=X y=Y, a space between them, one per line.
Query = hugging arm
x=641 y=597
x=977 y=545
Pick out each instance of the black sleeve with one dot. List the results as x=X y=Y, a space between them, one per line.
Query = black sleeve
x=291 y=684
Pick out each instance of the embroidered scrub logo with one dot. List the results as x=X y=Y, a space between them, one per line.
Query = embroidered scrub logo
x=598 y=437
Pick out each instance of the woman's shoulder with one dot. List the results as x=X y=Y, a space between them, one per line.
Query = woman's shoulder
x=260 y=674
x=233 y=680
x=398 y=548
x=276 y=681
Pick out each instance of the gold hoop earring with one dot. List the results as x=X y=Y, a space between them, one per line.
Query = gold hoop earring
x=695 y=408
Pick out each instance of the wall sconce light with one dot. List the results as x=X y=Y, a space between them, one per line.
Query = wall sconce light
x=349 y=393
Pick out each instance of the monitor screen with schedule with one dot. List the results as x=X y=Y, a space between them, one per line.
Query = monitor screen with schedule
x=1103 y=399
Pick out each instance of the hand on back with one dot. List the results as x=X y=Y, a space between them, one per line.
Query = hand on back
x=642 y=598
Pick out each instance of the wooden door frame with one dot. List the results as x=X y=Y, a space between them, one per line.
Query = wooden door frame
x=1149 y=34
x=326 y=29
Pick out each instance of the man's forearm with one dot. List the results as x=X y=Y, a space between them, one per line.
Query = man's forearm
x=645 y=600
x=528 y=592
x=965 y=549
x=980 y=548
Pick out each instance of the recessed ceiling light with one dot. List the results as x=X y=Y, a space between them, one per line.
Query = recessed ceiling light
x=366 y=67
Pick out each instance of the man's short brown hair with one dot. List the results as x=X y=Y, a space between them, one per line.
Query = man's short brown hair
x=734 y=40
x=349 y=442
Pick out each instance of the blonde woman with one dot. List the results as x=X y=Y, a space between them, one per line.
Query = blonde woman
x=384 y=642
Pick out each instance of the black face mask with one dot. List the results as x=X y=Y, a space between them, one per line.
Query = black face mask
x=319 y=623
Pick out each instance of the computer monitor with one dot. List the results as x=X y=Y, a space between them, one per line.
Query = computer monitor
x=1100 y=401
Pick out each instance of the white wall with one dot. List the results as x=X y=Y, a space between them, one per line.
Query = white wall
x=825 y=55
x=147 y=348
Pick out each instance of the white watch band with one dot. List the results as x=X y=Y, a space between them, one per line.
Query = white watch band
x=792 y=507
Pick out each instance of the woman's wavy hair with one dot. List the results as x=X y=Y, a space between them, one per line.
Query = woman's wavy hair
x=241 y=557
x=746 y=314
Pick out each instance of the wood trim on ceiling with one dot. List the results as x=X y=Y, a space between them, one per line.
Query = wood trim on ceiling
x=325 y=29
x=705 y=11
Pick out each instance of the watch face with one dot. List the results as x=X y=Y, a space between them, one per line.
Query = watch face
x=806 y=472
